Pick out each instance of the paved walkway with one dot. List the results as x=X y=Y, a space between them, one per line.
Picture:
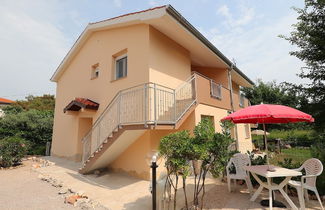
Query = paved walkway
x=120 y=191
x=21 y=189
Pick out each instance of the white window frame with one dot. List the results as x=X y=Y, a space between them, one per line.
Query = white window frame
x=247 y=131
x=95 y=71
x=126 y=70
x=241 y=99
x=215 y=90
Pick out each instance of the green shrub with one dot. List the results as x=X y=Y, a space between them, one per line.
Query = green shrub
x=318 y=151
x=294 y=137
x=288 y=163
x=12 y=150
x=34 y=126
x=218 y=147
x=256 y=160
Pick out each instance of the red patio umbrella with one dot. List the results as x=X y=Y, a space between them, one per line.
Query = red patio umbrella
x=268 y=114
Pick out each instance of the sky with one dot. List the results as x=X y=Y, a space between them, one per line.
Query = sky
x=35 y=35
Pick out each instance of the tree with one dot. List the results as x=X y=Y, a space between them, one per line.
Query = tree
x=273 y=93
x=175 y=148
x=309 y=36
x=34 y=126
x=43 y=103
x=206 y=150
x=284 y=93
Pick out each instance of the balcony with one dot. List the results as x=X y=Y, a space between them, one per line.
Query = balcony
x=210 y=92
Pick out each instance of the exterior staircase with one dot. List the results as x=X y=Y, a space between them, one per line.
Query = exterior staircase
x=131 y=112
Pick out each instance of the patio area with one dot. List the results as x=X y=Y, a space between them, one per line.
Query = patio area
x=121 y=191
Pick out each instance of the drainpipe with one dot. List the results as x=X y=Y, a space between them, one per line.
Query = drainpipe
x=232 y=101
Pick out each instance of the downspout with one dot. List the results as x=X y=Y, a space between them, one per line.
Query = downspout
x=232 y=101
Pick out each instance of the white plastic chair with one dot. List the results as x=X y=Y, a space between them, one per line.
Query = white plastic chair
x=313 y=168
x=239 y=161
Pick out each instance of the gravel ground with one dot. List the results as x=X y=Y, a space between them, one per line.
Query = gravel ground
x=21 y=189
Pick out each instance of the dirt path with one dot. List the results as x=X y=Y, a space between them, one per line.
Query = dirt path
x=20 y=188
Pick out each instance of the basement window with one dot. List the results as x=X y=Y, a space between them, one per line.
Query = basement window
x=209 y=117
x=95 y=71
x=121 y=66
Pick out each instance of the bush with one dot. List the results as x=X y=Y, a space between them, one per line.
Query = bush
x=318 y=152
x=294 y=137
x=12 y=150
x=219 y=147
x=257 y=160
x=34 y=126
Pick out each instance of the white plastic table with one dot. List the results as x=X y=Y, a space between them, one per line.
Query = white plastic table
x=262 y=170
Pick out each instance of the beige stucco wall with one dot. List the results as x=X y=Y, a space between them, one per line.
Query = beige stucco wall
x=83 y=128
x=133 y=159
x=218 y=75
x=244 y=144
x=217 y=114
x=169 y=63
x=76 y=80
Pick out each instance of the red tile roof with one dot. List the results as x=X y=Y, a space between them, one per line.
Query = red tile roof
x=6 y=101
x=79 y=103
x=132 y=13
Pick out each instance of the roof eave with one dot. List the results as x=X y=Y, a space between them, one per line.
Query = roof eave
x=175 y=14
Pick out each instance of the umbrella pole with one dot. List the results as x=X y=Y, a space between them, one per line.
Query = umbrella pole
x=265 y=142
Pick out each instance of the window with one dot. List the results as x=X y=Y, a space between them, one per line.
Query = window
x=215 y=90
x=211 y=118
x=247 y=131
x=95 y=71
x=241 y=100
x=121 y=67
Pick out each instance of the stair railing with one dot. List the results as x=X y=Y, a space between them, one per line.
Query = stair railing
x=143 y=104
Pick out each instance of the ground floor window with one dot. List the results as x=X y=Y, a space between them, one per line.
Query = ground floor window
x=208 y=117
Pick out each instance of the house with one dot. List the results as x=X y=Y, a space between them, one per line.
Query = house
x=130 y=80
x=4 y=102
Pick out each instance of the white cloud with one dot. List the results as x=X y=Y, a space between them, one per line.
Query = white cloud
x=118 y=3
x=31 y=48
x=245 y=17
x=257 y=49
x=153 y=3
x=224 y=10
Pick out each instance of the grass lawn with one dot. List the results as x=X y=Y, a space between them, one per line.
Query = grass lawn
x=296 y=154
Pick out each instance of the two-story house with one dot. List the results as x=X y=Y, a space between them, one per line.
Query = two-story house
x=130 y=80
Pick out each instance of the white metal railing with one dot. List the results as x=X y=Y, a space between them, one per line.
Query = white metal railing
x=215 y=90
x=143 y=104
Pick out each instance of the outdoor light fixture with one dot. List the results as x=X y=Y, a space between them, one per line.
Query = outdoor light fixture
x=152 y=160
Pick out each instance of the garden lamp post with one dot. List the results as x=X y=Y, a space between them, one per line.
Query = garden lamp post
x=153 y=162
x=154 y=167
